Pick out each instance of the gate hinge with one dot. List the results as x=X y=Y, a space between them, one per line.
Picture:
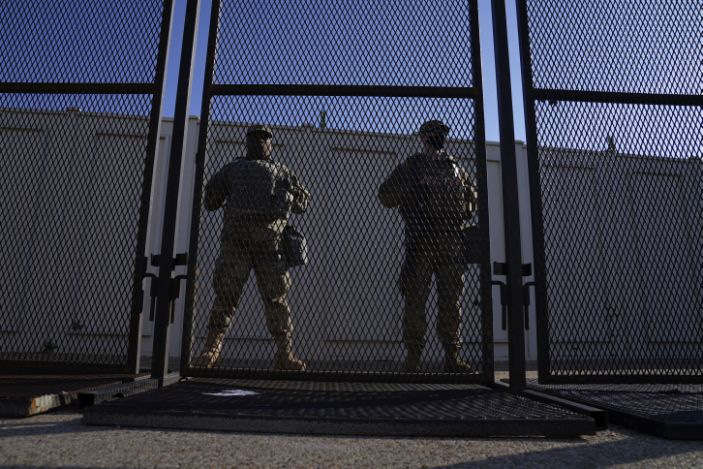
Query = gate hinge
x=180 y=259
x=503 y=303
x=174 y=288
x=152 y=287
x=174 y=291
x=526 y=301
x=501 y=268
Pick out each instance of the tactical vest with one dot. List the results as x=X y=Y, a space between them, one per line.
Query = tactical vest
x=438 y=193
x=250 y=185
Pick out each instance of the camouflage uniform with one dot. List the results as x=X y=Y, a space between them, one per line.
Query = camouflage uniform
x=258 y=196
x=435 y=198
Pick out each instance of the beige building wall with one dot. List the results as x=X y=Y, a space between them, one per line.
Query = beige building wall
x=353 y=241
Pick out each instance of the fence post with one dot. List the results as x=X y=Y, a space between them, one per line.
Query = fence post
x=159 y=366
x=511 y=212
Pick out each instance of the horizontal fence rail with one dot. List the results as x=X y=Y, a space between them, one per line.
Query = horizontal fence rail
x=613 y=117
x=80 y=101
x=342 y=114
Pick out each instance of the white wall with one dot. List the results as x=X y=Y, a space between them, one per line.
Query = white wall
x=337 y=202
x=600 y=187
x=625 y=256
x=54 y=231
x=70 y=206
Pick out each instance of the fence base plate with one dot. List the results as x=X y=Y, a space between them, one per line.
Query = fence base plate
x=26 y=395
x=673 y=411
x=372 y=409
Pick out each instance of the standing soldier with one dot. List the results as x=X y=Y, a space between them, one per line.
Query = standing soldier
x=258 y=195
x=436 y=200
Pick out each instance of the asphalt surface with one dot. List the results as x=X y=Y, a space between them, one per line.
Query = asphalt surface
x=59 y=439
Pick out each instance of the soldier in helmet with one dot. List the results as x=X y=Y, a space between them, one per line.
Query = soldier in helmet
x=257 y=195
x=436 y=199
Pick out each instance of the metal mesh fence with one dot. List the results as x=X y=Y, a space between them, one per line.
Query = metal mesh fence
x=80 y=93
x=78 y=41
x=413 y=43
x=614 y=116
x=344 y=89
x=598 y=45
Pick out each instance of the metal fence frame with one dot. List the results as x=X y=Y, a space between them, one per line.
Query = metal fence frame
x=155 y=89
x=211 y=90
x=531 y=96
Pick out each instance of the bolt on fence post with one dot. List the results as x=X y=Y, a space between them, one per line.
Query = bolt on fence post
x=511 y=212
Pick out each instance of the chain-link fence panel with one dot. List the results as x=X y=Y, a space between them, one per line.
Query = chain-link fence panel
x=317 y=124
x=614 y=117
x=80 y=93
x=620 y=47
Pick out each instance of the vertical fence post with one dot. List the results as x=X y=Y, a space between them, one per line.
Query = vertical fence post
x=140 y=265
x=488 y=367
x=511 y=211
x=535 y=193
x=160 y=354
x=187 y=337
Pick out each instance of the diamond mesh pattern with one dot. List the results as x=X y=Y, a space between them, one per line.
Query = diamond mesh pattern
x=73 y=169
x=623 y=255
x=79 y=41
x=409 y=43
x=70 y=200
x=346 y=307
x=621 y=188
x=647 y=46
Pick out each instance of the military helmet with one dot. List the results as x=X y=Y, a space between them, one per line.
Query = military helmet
x=434 y=127
x=259 y=128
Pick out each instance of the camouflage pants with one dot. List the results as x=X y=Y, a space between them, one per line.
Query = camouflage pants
x=237 y=258
x=415 y=284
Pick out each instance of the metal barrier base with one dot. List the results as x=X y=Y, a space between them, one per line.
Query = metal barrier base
x=371 y=409
x=26 y=395
x=599 y=416
x=671 y=411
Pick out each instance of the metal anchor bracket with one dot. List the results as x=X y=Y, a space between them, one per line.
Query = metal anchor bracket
x=501 y=268
x=174 y=283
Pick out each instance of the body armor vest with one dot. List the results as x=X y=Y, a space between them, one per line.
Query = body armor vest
x=438 y=196
x=251 y=185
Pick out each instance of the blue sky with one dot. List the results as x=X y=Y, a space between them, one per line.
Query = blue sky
x=599 y=44
x=454 y=77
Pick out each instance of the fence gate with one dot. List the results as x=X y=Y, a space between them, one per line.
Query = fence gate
x=344 y=87
x=80 y=96
x=614 y=112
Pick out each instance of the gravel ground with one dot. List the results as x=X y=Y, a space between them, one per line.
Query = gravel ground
x=59 y=439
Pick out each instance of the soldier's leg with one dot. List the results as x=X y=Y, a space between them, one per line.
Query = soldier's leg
x=450 y=285
x=231 y=274
x=414 y=283
x=273 y=282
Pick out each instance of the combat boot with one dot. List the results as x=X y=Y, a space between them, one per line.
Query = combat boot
x=211 y=352
x=413 y=359
x=454 y=364
x=285 y=360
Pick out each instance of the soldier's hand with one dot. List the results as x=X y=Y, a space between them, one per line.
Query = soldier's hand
x=284 y=184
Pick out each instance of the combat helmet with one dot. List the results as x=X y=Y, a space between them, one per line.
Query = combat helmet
x=434 y=127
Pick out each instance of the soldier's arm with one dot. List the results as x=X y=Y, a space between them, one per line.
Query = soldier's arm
x=393 y=190
x=470 y=194
x=301 y=195
x=216 y=191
